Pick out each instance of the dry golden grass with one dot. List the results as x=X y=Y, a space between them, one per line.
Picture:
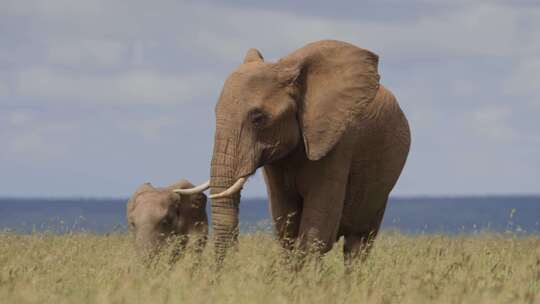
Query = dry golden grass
x=86 y=268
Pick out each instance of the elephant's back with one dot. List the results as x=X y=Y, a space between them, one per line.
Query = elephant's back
x=383 y=106
x=384 y=124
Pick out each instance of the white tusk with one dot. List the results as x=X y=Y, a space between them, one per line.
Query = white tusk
x=198 y=189
x=232 y=189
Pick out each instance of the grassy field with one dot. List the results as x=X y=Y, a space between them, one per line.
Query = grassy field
x=86 y=268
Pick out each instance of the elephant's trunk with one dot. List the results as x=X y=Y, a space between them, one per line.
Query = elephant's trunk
x=147 y=243
x=224 y=209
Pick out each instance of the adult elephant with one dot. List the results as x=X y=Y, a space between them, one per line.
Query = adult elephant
x=331 y=139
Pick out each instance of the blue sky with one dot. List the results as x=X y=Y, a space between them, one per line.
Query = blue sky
x=99 y=96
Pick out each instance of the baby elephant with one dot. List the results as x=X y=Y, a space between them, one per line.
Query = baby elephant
x=155 y=214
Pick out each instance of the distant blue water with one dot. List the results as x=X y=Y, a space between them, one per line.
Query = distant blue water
x=518 y=214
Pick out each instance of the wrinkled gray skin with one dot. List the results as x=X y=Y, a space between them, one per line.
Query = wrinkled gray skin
x=155 y=214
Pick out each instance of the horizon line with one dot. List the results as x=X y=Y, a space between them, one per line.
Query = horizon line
x=401 y=196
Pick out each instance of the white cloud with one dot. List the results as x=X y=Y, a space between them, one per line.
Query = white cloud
x=3 y=89
x=137 y=57
x=461 y=28
x=52 y=8
x=75 y=37
x=34 y=145
x=129 y=87
x=492 y=122
x=86 y=51
x=28 y=137
x=480 y=29
x=60 y=52
x=462 y=87
x=525 y=80
x=18 y=118
x=148 y=128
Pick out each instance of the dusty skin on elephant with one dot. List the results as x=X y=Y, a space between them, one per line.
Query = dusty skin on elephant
x=158 y=215
x=332 y=142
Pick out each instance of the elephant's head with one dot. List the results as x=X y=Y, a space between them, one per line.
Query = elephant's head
x=266 y=110
x=155 y=214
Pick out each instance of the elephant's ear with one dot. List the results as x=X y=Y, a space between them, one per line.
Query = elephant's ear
x=334 y=82
x=253 y=55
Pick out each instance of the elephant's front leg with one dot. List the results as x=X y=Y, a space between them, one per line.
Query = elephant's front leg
x=324 y=186
x=321 y=216
x=285 y=204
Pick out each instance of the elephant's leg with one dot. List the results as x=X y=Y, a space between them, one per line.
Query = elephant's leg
x=323 y=185
x=357 y=246
x=285 y=205
x=364 y=208
x=362 y=218
x=322 y=211
x=320 y=218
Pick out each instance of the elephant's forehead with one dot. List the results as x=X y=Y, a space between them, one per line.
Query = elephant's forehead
x=252 y=76
x=153 y=204
x=249 y=85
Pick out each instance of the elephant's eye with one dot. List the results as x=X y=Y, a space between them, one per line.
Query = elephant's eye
x=258 y=117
